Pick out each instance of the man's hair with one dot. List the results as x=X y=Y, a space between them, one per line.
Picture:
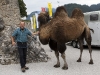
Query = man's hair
x=21 y=21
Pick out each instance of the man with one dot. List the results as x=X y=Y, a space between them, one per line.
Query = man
x=20 y=34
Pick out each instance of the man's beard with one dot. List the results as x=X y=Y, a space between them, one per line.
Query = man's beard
x=22 y=28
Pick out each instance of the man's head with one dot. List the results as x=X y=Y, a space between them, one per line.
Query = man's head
x=22 y=25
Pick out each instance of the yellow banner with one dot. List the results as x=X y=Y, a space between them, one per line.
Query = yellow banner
x=34 y=22
x=50 y=9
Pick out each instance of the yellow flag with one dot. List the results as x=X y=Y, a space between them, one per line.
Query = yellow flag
x=50 y=9
x=34 y=22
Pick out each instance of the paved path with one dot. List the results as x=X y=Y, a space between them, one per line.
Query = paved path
x=46 y=68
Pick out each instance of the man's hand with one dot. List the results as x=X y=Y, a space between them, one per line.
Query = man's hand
x=37 y=32
x=13 y=43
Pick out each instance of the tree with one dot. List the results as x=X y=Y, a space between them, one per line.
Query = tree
x=22 y=7
x=70 y=7
x=95 y=7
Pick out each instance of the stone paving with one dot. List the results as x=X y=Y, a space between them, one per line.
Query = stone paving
x=46 y=68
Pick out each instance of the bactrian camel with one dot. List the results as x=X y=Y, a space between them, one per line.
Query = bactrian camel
x=62 y=29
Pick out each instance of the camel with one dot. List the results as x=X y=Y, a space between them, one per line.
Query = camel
x=1 y=24
x=62 y=29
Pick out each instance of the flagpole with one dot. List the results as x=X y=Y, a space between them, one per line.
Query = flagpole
x=58 y=3
x=31 y=22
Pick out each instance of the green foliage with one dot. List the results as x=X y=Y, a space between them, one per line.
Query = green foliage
x=84 y=8
x=23 y=8
x=95 y=7
x=26 y=20
x=71 y=7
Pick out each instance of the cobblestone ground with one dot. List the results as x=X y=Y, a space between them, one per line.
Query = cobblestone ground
x=46 y=68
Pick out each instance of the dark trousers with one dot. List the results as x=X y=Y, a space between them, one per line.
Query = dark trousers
x=22 y=49
x=22 y=56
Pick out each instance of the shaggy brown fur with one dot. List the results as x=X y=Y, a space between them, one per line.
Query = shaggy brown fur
x=62 y=29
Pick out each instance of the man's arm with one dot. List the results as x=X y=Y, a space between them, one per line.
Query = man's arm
x=35 y=33
x=13 y=37
x=13 y=41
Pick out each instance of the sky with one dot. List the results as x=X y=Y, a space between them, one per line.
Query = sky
x=35 y=5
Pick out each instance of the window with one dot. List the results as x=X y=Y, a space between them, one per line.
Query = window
x=93 y=17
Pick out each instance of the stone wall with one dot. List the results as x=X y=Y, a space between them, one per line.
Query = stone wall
x=9 y=11
x=10 y=17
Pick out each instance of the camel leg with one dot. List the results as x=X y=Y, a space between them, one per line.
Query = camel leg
x=81 y=49
x=65 y=67
x=53 y=46
x=90 y=50
x=58 y=62
x=88 y=39
x=62 y=47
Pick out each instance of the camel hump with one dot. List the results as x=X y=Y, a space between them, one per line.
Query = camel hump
x=60 y=11
x=77 y=13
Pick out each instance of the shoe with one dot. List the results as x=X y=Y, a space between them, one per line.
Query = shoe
x=23 y=69
x=26 y=68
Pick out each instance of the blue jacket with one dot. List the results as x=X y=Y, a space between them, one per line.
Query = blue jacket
x=21 y=35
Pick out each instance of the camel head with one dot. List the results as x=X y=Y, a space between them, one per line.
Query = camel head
x=43 y=18
x=1 y=24
x=77 y=13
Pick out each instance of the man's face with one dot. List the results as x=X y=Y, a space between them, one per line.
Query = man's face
x=22 y=25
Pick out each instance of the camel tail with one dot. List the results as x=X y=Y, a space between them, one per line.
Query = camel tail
x=91 y=30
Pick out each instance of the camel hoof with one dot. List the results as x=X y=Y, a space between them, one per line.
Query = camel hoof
x=64 y=68
x=56 y=66
x=91 y=62
x=79 y=60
